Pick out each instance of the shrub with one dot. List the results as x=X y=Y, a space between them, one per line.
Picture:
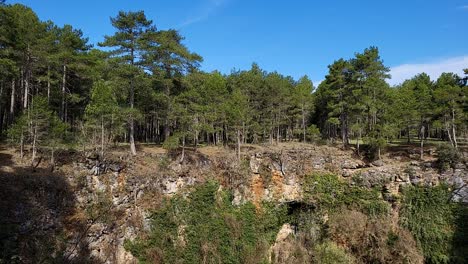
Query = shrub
x=434 y=220
x=448 y=156
x=374 y=147
x=329 y=193
x=205 y=227
x=313 y=133
x=373 y=240
x=330 y=253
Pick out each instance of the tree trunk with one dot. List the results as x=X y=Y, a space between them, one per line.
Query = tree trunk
x=131 y=121
x=21 y=86
x=182 y=157
x=22 y=145
x=132 y=97
x=2 y=109
x=454 y=134
x=243 y=133
x=422 y=132
x=26 y=91
x=64 y=81
x=277 y=134
x=167 y=92
x=34 y=151
x=48 y=84
x=12 y=100
x=303 y=124
x=26 y=79
x=196 y=133
x=102 y=137
x=52 y=159
x=238 y=144
x=358 y=140
x=449 y=134
x=343 y=133
x=408 y=134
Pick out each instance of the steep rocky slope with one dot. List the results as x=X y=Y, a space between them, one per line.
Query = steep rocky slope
x=86 y=209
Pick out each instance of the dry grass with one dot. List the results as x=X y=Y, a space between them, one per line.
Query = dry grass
x=152 y=149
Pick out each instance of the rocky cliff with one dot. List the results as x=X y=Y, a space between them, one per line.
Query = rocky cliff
x=89 y=206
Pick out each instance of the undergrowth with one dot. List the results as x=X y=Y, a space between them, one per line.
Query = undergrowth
x=205 y=227
x=438 y=224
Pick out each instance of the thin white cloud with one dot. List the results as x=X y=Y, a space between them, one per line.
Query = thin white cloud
x=204 y=13
x=433 y=69
x=192 y=20
x=316 y=83
x=463 y=7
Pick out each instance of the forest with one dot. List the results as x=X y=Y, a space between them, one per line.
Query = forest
x=144 y=85
x=141 y=87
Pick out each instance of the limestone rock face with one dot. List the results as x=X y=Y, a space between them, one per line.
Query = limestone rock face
x=266 y=175
x=284 y=232
x=254 y=164
x=287 y=250
x=114 y=204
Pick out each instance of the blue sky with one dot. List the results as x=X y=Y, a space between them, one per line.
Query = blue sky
x=292 y=37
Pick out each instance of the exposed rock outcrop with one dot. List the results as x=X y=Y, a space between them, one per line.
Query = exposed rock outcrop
x=112 y=198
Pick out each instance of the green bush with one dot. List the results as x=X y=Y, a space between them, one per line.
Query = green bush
x=374 y=146
x=330 y=193
x=330 y=253
x=437 y=223
x=313 y=133
x=448 y=156
x=205 y=227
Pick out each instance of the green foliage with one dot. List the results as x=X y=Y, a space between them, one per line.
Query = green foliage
x=105 y=119
x=354 y=96
x=170 y=100
x=329 y=193
x=206 y=227
x=313 y=133
x=18 y=130
x=57 y=132
x=373 y=146
x=100 y=209
x=372 y=240
x=435 y=221
x=447 y=157
x=39 y=126
x=103 y=100
x=172 y=142
x=330 y=253
x=158 y=78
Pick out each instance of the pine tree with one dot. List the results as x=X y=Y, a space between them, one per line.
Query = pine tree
x=103 y=113
x=164 y=54
x=71 y=46
x=237 y=111
x=450 y=100
x=39 y=127
x=130 y=26
x=304 y=100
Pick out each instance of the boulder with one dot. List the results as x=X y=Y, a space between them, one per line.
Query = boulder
x=115 y=167
x=347 y=173
x=349 y=164
x=352 y=164
x=284 y=232
x=254 y=165
x=378 y=163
